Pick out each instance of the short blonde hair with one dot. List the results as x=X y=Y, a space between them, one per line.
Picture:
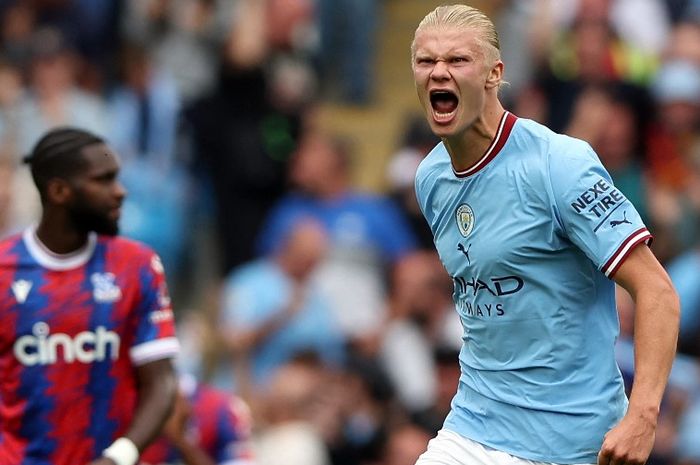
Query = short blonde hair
x=463 y=17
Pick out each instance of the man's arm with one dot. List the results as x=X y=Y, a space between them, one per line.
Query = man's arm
x=656 y=323
x=157 y=385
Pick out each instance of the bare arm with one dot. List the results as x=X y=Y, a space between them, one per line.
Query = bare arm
x=656 y=323
x=157 y=385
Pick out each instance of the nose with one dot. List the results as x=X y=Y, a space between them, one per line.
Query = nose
x=440 y=71
x=119 y=190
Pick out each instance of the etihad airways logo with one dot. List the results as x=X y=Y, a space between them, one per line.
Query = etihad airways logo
x=501 y=286
x=44 y=348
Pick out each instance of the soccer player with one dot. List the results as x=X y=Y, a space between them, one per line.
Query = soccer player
x=208 y=426
x=86 y=327
x=534 y=234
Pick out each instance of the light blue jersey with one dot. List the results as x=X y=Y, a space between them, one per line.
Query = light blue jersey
x=530 y=235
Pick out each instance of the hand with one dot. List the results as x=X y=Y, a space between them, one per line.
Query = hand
x=630 y=442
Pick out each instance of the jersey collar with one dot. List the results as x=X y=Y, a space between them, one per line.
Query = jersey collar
x=55 y=261
x=504 y=128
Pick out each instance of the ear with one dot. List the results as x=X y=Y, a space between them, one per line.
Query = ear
x=495 y=76
x=58 y=191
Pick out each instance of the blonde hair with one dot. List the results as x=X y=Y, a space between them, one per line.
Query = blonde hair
x=463 y=17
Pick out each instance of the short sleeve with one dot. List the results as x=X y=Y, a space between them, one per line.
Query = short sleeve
x=155 y=324
x=594 y=214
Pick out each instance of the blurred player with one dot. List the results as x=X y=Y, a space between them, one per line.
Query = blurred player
x=207 y=427
x=86 y=327
x=533 y=232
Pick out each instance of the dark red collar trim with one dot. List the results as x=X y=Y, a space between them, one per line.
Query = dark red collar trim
x=504 y=128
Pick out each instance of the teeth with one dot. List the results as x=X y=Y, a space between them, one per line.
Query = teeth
x=444 y=115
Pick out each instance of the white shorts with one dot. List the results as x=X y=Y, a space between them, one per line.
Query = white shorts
x=449 y=448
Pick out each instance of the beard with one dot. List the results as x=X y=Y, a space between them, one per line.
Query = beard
x=87 y=219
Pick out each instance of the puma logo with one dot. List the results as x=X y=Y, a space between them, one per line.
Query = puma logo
x=464 y=251
x=624 y=219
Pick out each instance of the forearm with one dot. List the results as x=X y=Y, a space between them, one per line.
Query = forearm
x=657 y=313
x=655 y=338
x=156 y=396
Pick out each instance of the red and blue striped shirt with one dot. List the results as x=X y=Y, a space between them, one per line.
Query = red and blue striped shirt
x=72 y=330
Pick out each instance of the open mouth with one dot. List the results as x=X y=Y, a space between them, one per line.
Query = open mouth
x=444 y=103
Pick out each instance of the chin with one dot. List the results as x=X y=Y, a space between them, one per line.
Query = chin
x=443 y=131
x=104 y=228
x=108 y=230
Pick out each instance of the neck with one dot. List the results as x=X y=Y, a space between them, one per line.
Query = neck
x=467 y=147
x=59 y=236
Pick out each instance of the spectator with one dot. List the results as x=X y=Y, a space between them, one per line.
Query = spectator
x=54 y=96
x=144 y=115
x=17 y=29
x=207 y=427
x=610 y=119
x=684 y=271
x=11 y=93
x=688 y=448
x=644 y=24
x=417 y=141
x=367 y=233
x=288 y=437
x=185 y=38
x=588 y=54
x=683 y=384
x=684 y=42
x=672 y=141
x=53 y=99
x=404 y=445
x=7 y=173
x=420 y=318
x=264 y=329
x=348 y=34
x=244 y=131
x=447 y=378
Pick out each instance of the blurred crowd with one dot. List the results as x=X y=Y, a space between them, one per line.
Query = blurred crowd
x=323 y=306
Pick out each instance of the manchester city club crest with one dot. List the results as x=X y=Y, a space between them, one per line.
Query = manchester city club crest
x=465 y=219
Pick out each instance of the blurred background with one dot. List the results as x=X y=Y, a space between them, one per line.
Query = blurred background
x=269 y=149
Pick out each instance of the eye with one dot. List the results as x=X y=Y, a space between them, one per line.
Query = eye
x=457 y=60
x=106 y=178
x=425 y=61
